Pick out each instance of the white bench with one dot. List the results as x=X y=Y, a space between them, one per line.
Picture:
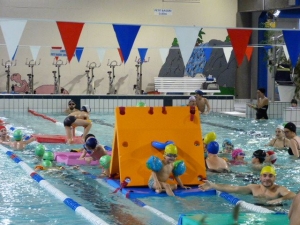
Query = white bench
x=181 y=84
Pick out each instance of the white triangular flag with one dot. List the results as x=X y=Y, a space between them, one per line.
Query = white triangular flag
x=286 y=52
x=34 y=51
x=12 y=31
x=187 y=37
x=101 y=53
x=227 y=52
x=164 y=53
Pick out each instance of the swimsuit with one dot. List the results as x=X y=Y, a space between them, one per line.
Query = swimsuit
x=151 y=183
x=283 y=143
x=69 y=121
x=262 y=112
x=290 y=151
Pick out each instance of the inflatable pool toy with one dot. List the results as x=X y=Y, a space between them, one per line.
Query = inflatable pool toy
x=105 y=161
x=161 y=145
x=72 y=159
x=44 y=138
x=154 y=164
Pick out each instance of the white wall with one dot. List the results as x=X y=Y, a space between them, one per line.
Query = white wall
x=98 y=16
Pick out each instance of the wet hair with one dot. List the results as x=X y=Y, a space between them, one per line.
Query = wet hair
x=87 y=136
x=294 y=101
x=262 y=90
x=260 y=155
x=290 y=126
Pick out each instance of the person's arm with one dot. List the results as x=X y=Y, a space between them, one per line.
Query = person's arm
x=156 y=181
x=271 y=143
x=207 y=105
x=83 y=154
x=225 y=187
x=294 y=147
x=286 y=195
x=180 y=183
x=262 y=102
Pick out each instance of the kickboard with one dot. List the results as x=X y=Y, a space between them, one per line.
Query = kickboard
x=44 y=138
x=143 y=192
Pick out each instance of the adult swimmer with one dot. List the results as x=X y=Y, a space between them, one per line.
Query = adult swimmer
x=262 y=104
x=75 y=119
x=280 y=141
x=267 y=191
x=290 y=133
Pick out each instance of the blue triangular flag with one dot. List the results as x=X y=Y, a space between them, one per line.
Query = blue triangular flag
x=292 y=41
x=126 y=35
x=13 y=58
x=207 y=53
x=267 y=47
x=142 y=52
x=78 y=53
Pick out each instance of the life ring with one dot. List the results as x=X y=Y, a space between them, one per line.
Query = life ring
x=161 y=145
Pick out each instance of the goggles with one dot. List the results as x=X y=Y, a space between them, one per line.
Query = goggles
x=171 y=155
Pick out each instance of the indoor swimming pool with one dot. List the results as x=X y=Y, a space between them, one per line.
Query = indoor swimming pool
x=25 y=202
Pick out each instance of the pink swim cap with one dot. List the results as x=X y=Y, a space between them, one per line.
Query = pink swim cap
x=236 y=152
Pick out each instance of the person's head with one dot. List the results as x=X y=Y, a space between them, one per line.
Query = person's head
x=227 y=145
x=213 y=148
x=192 y=101
x=71 y=104
x=238 y=154
x=170 y=153
x=199 y=93
x=290 y=130
x=89 y=136
x=91 y=143
x=271 y=157
x=3 y=131
x=258 y=156
x=18 y=135
x=267 y=176
x=85 y=108
x=294 y=103
x=279 y=131
x=261 y=92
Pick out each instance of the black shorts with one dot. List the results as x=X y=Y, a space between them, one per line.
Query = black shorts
x=69 y=121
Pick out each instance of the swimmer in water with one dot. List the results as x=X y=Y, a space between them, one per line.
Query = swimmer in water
x=75 y=119
x=280 y=141
x=238 y=157
x=258 y=159
x=267 y=190
x=213 y=162
x=20 y=141
x=227 y=146
x=4 y=137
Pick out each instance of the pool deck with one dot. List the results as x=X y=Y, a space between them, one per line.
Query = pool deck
x=239 y=110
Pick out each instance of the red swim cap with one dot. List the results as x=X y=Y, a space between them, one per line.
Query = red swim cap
x=2 y=127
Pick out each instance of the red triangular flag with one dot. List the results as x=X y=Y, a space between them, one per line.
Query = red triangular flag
x=249 y=51
x=70 y=33
x=239 y=40
x=121 y=54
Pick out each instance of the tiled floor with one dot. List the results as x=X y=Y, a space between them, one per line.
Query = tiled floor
x=239 y=109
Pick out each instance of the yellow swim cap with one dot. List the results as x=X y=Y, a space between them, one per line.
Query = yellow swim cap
x=268 y=169
x=170 y=149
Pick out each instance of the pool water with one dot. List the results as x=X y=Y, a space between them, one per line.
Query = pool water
x=247 y=134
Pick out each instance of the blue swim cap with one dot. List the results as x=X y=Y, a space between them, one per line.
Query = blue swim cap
x=213 y=147
x=91 y=143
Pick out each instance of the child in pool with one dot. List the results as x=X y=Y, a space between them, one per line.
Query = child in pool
x=20 y=142
x=238 y=157
x=4 y=137
x=158 y=180
x=227 y=146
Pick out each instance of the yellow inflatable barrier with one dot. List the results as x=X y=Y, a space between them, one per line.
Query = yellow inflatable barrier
x=137 y=127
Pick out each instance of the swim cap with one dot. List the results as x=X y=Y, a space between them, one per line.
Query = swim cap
x=192 y=98
x=199 y=92
x=91 y=143
x=261 y=154
x=268 y=169
x=213 y=147
x=227 y=141
x=87 y=136
x=290 y=126
x=18 y=135
x=171 y=149
x=236 y=152
x=273 y=156
x=280 y=127
x=85 y=108
x=2 y=127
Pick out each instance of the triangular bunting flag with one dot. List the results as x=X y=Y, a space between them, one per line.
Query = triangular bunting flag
x=126 y=35
x=164 y=53
x=249 y=51
x=239 y=40
x=268 y=47
x=187 y=37
x=142 y=52
x=13 y=58
x=34 y=51
x=101 y=53
x=207 y=53
x=121 y=55
x=70 y=33
x=286 y=52
x=78 y=53
x=12 y=31
x=292 y=41
x=227 y=52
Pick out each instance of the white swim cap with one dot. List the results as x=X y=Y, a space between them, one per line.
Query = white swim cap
x=280 y=127
x=192 y=98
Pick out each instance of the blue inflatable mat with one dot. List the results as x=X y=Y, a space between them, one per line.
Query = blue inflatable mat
x=142 y=192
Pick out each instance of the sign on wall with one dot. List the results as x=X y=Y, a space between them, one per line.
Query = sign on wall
x=163 y=12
